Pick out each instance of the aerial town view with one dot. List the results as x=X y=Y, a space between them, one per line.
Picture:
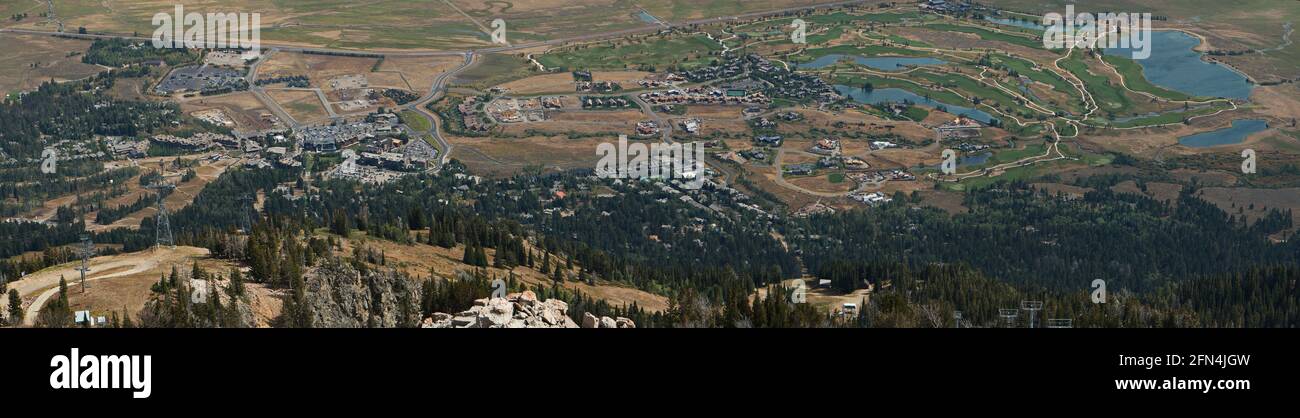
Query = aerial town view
x=920 y=164
x=650 y=164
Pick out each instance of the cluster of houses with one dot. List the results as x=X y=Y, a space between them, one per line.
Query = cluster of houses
x=468 y=110
x=597 y=86
x=733 y=67
x=949 y=6
x=791 y=85
x=330 y=138
x=605 y=102
x=880 y=176
x=970 y=148
x=126 y=148
x=512 y=110
x=706 y=96
x=766 y=80
x=199 y=141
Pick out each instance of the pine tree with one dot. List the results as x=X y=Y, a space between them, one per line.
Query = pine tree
x=63 y=293
x=215 y=297
x=236 y=288
x=15 y=307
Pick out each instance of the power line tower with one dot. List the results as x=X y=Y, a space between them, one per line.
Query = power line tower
x=1033 y=306
x=87 y=249
x=1060 y=323
x=163 y=227
x=956 y=319
x=1009 y=316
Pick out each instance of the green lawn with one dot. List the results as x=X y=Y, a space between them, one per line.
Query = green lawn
x=1169 y=117
x=988 y=35
x=916 y=113
x=972 y=88
x=1109 y=97
x=417 y=122
x=1039 y=74
x=1133 y=77
x=865 y=51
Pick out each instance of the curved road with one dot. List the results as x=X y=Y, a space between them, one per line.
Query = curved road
x=436 y=91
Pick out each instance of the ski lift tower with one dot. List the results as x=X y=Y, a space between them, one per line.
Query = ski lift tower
x=163 y=226
x=1009 y=316
x=1033 y=306
x=87 y=249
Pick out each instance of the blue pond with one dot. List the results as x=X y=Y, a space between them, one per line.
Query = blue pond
x=879 y=63
x=893 y=95
x=976 y=159
x=1016 y=23
x=1174 y=65
x=1240 y=129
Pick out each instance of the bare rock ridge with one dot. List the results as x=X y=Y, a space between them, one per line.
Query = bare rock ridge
x=520 y=310
x=339 y=296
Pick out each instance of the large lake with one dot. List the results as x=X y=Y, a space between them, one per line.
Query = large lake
x=879 y=63
x=1173 y=64
x=1240 y=129
x=894 y=95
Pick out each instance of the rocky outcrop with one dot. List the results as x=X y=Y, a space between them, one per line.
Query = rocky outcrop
x=339 y=296
x=519 y=310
